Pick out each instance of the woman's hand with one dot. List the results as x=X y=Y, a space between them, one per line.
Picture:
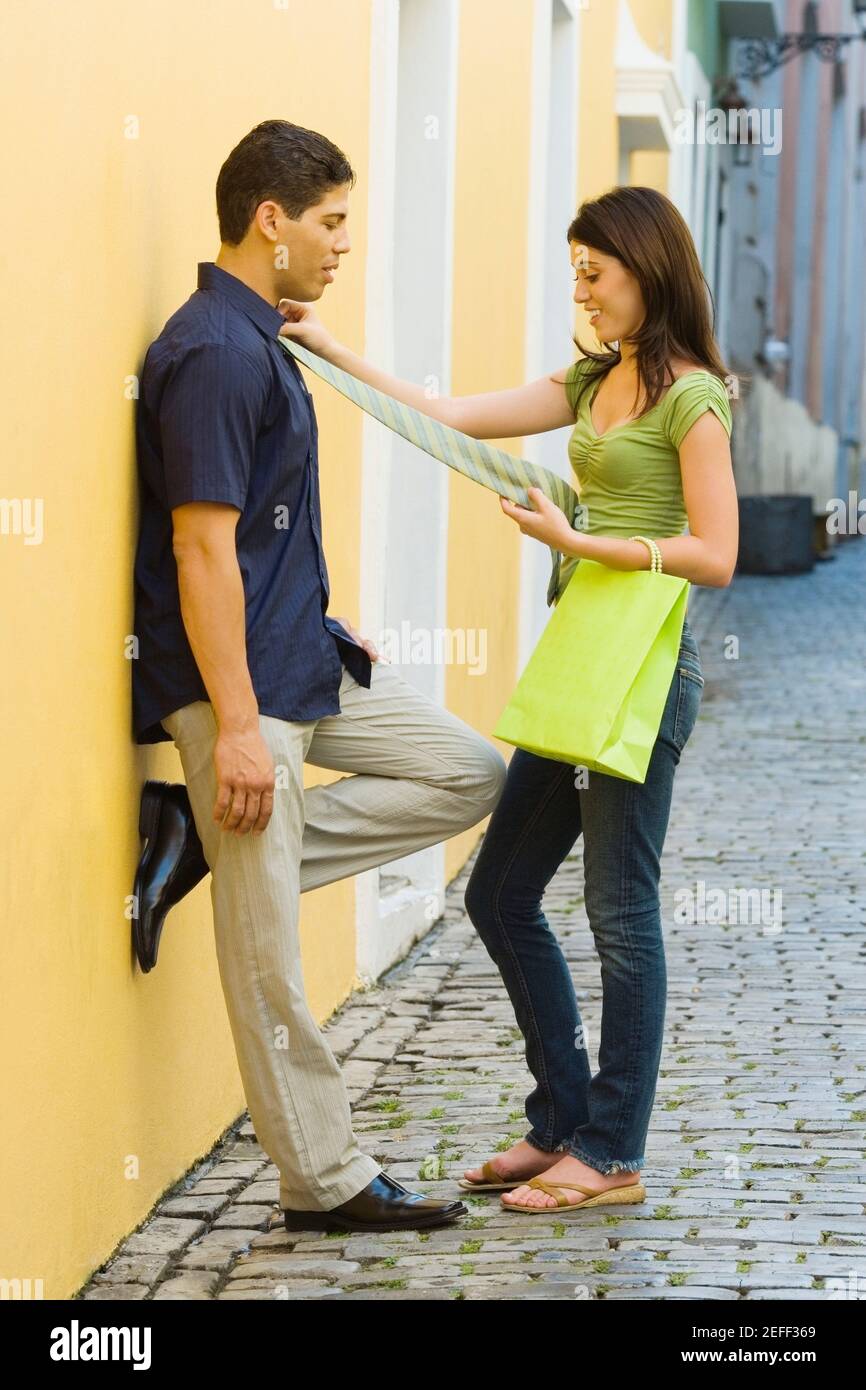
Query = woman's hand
x=547 y=522
x=304 y=326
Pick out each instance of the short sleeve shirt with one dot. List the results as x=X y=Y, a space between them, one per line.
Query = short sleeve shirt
x=224 y=416
x=629 y=478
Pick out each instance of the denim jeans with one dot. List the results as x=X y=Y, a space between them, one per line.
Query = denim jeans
x=602 y=1119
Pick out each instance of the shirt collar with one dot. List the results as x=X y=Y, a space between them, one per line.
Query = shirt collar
x=264 y=315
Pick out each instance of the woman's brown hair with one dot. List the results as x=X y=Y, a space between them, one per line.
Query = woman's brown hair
x=646 y=232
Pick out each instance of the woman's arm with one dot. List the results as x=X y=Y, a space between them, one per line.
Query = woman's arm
x=532 y=409
x=708 y=555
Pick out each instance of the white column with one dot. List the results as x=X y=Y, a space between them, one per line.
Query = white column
x=413 y=105
x=549 y=344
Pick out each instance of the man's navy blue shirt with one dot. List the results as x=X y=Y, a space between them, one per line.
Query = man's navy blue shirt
x=224 y=416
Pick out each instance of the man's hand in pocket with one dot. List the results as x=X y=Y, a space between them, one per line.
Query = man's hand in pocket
x=356 y=637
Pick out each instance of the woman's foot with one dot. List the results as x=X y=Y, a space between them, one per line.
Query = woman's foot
x=568 y=1169
x=522 y=1160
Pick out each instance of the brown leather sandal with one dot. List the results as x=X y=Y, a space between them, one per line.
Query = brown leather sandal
x=493 y=1181
x=613 y=1196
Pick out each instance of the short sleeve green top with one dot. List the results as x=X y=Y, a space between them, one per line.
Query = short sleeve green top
x=629 y=478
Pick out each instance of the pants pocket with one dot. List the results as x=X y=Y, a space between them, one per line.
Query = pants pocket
x=690 y=689
x=191 y=723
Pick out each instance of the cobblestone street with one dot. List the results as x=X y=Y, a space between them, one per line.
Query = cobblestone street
x=755 y=1154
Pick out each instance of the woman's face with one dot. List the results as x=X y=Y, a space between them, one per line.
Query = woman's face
x=608 y=291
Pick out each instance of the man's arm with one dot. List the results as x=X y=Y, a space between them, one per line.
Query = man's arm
x=213 y=609
x=209 y=416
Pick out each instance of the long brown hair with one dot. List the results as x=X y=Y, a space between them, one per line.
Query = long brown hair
x=645 y=231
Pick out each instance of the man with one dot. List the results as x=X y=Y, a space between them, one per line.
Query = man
x=240 y=665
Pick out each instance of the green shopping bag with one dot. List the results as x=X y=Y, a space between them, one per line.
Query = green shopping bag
x=594 y=690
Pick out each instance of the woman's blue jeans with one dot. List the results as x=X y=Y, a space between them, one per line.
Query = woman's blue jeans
x=601 y=1119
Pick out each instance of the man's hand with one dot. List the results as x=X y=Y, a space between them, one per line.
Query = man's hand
x=245 y=781
x=356 y=636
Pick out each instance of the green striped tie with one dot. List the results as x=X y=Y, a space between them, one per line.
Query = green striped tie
x=493 y=468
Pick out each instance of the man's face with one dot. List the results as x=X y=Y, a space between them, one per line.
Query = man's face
x=307 y=251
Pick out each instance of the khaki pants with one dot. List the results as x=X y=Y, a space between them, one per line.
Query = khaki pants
x=422 y=775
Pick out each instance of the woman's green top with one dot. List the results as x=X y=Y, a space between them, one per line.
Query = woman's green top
x=629 y=478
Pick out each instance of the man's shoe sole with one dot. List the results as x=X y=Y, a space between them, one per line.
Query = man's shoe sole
x=324 y=1221
x=146 y=939
x=148 y=923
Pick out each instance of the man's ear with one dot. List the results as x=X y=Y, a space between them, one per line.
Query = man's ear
x=267 y=213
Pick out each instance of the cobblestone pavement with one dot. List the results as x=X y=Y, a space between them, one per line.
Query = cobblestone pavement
x=754 y=1178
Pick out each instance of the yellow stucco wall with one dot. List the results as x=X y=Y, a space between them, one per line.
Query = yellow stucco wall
x=490 y=231
x=654 y=19
x=598 y=146
x=103 y=1067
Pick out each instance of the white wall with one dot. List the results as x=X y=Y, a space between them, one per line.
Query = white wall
x=550 y=308
x=409 y=295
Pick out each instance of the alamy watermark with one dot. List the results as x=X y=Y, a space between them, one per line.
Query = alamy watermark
x=742 y=906
x=438 y=646
x=23 y=516
x=718 y=125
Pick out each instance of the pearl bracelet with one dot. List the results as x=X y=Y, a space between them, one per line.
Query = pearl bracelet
x=655 y=553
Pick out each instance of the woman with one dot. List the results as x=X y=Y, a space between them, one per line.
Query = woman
x=650 y=448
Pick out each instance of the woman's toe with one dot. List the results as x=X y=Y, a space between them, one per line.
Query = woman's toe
x=539 y=1199
x=517 y=1194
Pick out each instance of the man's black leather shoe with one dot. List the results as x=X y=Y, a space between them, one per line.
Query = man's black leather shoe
x=383 y=1205
x=171 y=864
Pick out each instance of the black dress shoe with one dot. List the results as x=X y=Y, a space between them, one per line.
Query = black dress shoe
x=383 y=1205
x=171 y=864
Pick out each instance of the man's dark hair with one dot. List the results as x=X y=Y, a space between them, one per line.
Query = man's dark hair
x=293 y=166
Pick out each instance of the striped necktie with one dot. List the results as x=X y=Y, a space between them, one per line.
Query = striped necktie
x=502 y=473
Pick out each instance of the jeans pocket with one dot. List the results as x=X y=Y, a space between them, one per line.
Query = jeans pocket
x=690 y=689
